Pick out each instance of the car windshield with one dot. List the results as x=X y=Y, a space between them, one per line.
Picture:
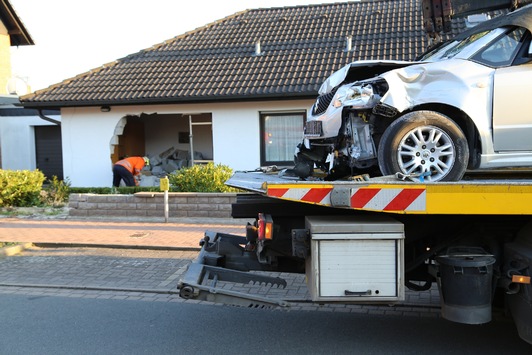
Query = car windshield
x=469 y=45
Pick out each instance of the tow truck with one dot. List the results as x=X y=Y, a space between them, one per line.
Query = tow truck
x=365 y=240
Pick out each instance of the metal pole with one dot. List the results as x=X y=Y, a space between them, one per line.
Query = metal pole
x=191 y=135
x=165 y=206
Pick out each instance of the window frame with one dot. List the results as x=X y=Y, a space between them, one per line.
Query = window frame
x=262 y=132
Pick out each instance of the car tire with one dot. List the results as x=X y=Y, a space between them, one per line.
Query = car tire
x=424 y=143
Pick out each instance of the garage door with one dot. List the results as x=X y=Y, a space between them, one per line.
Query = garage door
x=48 y=151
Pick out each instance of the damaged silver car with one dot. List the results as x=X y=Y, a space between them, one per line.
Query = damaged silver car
x=465 y=104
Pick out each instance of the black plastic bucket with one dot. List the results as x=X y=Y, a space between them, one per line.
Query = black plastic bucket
x=466 y=277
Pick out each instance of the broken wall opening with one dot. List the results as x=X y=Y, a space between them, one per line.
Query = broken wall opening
x=128 y=139
x=167 y=139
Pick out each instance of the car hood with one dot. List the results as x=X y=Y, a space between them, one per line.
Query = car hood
x=360 y=70
x=457 y=82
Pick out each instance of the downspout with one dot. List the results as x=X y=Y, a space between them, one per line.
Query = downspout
x=42 y=116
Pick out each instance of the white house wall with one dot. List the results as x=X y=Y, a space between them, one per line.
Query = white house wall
x=236 y=131
x=17 y=139
x=87 y=135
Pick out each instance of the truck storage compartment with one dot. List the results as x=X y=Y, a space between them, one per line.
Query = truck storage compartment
x=465 y=280
x=355 y=259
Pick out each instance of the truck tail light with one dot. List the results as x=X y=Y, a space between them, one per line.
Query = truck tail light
x=265 y=227
x=520 y=279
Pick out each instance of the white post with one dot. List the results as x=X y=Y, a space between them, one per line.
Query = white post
x=165 y=206
x=191 y=143
x=164 y=185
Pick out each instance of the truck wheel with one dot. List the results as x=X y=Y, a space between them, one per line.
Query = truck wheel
x=424 y=143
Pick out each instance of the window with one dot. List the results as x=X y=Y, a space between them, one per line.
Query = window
x=452 y=48
x=502 y=51
x=280 y=134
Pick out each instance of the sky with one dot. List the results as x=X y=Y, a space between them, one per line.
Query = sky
x=72 y=37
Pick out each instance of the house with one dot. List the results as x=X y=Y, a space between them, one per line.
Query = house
x=27 y=142
x=235 y=91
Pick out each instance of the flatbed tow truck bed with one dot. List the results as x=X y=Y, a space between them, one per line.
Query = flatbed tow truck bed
x=478 y=194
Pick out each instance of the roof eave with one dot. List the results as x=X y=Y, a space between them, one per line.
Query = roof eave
x=171 y=100
x=18 y=34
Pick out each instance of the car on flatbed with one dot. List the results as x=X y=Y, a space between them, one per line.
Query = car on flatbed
x=462 y=105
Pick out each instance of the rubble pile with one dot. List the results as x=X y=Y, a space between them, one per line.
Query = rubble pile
x=165 y=163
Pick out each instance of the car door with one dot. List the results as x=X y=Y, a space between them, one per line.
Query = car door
x=512 y=103
x=512 y=109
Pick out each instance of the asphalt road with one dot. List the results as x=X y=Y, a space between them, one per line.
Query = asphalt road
x=58 y=325
x=114 y=301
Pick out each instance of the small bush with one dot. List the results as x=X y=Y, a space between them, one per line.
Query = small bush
x=202 y=178
x=56 y=193
x=122 y=190
x=20 y=188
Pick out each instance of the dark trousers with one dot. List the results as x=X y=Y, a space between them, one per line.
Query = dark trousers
x=121 y=173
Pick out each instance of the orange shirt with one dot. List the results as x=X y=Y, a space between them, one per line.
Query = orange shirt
x=133 y=164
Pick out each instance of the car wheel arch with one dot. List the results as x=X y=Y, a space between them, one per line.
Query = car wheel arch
x=403 y=136
x=464 y=121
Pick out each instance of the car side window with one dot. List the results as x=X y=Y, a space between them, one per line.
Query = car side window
x=503 y=50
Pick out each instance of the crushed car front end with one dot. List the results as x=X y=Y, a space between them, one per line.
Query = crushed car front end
x=338 y=134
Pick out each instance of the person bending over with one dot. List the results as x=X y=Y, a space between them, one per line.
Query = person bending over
x=127 y=169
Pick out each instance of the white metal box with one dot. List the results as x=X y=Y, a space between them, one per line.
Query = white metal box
x=355 y=259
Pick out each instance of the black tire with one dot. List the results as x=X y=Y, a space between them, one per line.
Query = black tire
x=440 y=150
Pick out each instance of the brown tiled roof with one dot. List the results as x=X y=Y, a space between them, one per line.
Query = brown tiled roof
x=300 y=47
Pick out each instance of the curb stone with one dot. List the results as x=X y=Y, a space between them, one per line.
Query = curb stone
x=112 y=246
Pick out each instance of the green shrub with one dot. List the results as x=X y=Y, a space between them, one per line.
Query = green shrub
x=91 y=190
x=202 y=178
x=122 y=190
x=56 y=193
x=20 y=188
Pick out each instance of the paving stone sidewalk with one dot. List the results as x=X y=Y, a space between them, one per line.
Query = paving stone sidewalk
x=179 y=235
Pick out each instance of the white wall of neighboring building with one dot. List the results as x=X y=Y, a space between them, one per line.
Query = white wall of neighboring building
x=87 y=134
x=17 y=139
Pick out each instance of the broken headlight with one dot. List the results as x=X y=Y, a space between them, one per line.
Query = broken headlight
x=358 y=96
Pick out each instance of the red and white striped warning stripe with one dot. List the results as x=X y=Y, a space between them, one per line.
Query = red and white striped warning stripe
x=392 y=199
x=369 y=198
x=320 y=196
